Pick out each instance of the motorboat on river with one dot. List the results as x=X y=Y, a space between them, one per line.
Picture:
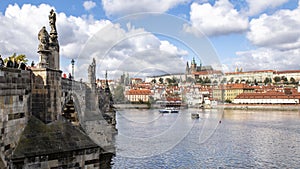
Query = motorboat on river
x=195 y=116
x=169 y=110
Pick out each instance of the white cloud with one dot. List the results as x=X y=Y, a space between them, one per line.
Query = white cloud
x=280 y=30
x=19 y=29
x=134 y=51
x=114 y=48
x=125 y=7
x=266 y=58
x=219 y=19
x=172 y=49
x=258 y=6
x=88 y=5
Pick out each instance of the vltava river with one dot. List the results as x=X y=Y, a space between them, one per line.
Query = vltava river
x=242 y=139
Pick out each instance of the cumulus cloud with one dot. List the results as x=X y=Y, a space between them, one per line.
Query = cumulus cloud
x=219 y=19
x=88 y=5
x=19 y=29
x=278 y=39
x=125 y=7
x=258 y=6
x=115 y=49
x=135 y=51
x=280 y=30
x=266 y=58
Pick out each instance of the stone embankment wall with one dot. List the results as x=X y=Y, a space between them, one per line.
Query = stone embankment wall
x=15 y=96
x=265 y=107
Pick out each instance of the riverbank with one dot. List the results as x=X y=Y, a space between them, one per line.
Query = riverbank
x=267 y=107
x=131 y=106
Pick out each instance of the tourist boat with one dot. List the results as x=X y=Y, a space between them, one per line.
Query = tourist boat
x=169 y=110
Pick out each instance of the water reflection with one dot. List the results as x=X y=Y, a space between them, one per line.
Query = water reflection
x=244 y=139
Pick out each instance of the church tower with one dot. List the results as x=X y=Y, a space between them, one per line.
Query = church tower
x=187 y=68
x=193 y=66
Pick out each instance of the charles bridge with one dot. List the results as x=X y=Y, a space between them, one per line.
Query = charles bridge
x=47 y=121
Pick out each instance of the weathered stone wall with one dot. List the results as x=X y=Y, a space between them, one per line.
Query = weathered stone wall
x=42 y=92
x=46 y=94
x=15 y=96
x=76 y=91
x=87 y=158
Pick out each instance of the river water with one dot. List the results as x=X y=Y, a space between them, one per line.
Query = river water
x=218 y=139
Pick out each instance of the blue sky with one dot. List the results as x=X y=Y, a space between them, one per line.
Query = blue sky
x=252 y=34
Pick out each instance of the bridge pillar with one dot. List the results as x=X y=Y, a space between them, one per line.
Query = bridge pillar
x=46 y=94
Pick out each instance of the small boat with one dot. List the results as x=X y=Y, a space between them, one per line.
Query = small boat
x=163 y=111
x=169 y=110
x=195 y=115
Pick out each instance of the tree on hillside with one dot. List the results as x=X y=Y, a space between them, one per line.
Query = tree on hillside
x=292 y=80
x=215 y=82
x=161 y=80
x=169 y=81
x=224 y=80
x=255 y=82
x=207 y=80
x=267 y=80
x=153 y=80
x=284 y=79
x=277 y=79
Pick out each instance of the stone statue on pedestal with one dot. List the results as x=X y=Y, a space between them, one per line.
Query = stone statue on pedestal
x=52 y=20
x=49 y=47
x=43 y=37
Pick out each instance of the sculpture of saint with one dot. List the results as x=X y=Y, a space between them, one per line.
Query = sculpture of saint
x=52 y=20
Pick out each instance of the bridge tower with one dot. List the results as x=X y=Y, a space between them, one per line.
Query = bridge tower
x=46 y=90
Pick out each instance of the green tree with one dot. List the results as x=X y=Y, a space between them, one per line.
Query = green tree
x=292 y=80
x=207 y=80
x=228 y=101
x=161 y=80
x=169 y=81
x=215 y=82
x=255 y=82
x=284 y=79
x=199 y=80
x=277 y=79
x=224 y=80
x=153 y=80
x=267 y=80
x=119 y=94
x=175 y=80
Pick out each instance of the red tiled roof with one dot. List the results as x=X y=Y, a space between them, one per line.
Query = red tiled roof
x=136 y=79
x=268 y=95
x=138 y=92
x=235 y=86
x=288 y=71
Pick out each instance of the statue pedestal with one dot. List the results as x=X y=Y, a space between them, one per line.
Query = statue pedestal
x=44 y=58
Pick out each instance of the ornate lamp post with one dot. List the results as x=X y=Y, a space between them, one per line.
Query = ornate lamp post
x=72 y=62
